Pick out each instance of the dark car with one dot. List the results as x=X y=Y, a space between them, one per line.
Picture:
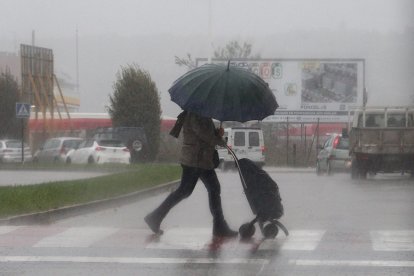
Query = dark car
x=133 y=137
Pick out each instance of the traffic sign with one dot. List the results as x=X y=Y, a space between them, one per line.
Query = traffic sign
x=22 y=110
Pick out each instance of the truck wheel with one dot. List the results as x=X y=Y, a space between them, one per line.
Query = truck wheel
x=354 y=170
x=363 y=173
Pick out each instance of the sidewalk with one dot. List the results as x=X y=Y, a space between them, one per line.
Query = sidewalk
x=30 y=177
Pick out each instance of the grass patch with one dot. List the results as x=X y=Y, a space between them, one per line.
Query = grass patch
x=18 y=200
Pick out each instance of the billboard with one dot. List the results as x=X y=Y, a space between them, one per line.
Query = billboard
x=37 y=75
x=309 y=89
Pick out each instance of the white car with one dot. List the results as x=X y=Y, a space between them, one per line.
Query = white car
x=11 y=151
x=56 y=149
x=92 y=151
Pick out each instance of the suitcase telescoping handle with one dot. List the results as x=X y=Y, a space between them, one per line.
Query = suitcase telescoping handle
x=236 y=160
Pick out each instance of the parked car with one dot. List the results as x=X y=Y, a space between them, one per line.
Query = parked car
x=56 y=149
x=11 y=151
x=133 y=137
x=99 y=151
x=246 y=142
x=333 y=155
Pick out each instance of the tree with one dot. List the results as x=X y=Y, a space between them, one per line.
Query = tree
x=187 y=62
x=136 y=103
x=9 y=95
x=232 y=50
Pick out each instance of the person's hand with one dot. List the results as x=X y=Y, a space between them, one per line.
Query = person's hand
x=220 y=131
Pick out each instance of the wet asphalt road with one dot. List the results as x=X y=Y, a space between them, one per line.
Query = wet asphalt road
x=337 y=227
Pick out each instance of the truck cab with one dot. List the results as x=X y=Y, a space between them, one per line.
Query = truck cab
x=382 y=140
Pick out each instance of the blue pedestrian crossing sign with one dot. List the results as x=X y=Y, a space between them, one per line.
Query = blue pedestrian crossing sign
x=22 y=110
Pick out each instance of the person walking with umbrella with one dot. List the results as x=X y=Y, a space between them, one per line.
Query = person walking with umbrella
x=206 y=92
x=200 y=139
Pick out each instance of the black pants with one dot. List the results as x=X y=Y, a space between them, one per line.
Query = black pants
x=189 y=179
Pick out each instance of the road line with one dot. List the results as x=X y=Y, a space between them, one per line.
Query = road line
x=392 y=240
x=366 y=263
x=183 y=238
x=303 y=239
x=77 y=237
x=127 y=260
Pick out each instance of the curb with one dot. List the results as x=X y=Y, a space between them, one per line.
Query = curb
x=290 y=170
x=50 y=216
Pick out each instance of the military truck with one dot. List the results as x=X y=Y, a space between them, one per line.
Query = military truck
x=381 y=140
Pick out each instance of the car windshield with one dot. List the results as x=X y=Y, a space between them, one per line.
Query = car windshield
x=110 y=143
x=343 y=143
x=15 y=144
x=71 y=144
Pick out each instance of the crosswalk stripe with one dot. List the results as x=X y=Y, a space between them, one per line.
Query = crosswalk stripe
x=183 y=238
x=303 y=239
x=76 y=237
x=131 y=260
x=366 y=263
x=392 y=240
x=186 y=238
x=8 y=229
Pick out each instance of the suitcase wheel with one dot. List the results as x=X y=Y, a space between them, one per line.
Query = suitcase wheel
x=247 y=230
x=270 y=231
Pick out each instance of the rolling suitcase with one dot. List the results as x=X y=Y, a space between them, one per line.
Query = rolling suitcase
x=264 y=199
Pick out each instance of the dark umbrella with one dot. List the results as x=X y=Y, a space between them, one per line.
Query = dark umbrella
x=224 y=93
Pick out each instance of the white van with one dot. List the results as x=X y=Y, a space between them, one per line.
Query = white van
x=246 y=142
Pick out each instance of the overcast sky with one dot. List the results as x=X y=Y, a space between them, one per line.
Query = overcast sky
x=243 y=17
x=102 y=51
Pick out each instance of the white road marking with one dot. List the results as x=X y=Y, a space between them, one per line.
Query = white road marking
x=303 y=239
x=367 y=263
x=130 y=260
x=392 y=240
x=8 y=229
x=76 y=237
x=183 y=238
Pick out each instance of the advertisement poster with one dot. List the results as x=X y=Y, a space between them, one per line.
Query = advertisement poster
x=309 y=89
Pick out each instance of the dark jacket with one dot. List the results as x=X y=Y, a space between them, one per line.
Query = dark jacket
x=199 y=142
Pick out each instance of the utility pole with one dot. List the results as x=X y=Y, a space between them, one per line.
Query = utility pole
x=33 y=37
x=77 y=62
x=210 y=32
x=287 y=141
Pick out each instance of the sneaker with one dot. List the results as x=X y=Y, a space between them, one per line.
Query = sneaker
x=154 y=223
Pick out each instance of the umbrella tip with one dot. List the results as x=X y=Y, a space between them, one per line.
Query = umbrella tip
x=228 y=65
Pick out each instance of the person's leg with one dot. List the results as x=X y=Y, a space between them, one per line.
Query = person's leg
x=211 y=182
x=189 y=179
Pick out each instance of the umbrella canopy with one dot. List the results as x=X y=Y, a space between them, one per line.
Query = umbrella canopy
x=225 y=93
